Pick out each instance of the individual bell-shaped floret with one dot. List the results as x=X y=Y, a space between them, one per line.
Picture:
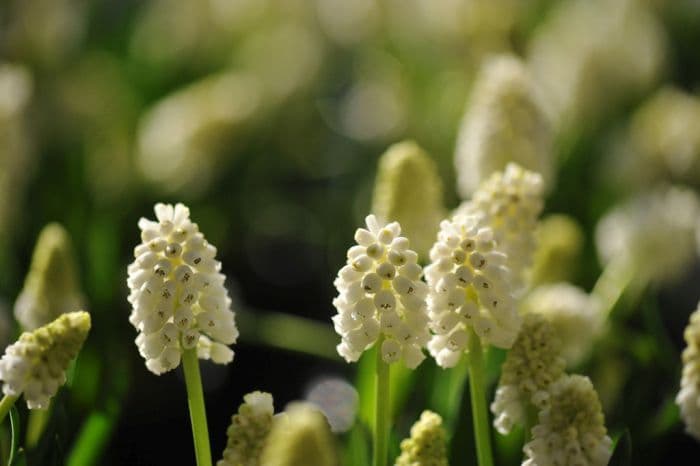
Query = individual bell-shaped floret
x=300 y=436
x=559 y=245
x=408 y=189
x=470 y=287
x=503 y=123
x=178 y=297
x=688 y=398
x=248 y=431
x=510 y=202
x=35 y=365
x=571 y=429
x=575 y=316
x=427 y=444
x=652 y=233
x=51 y=287
x=381 y=295
x=533 y=364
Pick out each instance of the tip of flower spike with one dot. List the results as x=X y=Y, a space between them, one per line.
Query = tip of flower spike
x=427 y=444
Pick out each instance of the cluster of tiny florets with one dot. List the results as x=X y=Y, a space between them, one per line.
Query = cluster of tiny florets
x=177 y=293
x=688 y=398
x=427 y=444
x=469 y=288
x=571 y=429
x=36 y=364
x=510 y=202
x=532 y=365
x=248 y=431
x=381 y=295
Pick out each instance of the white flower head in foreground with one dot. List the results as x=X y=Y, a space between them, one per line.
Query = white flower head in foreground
x=469 y=287
x=571 y=429
x=688 y=398
x=35 y=365
x=638 y=230
x=503 y=124
x=575 y=316
x=509 y=202
x=427 y=444
x=381 y=294
x=532 y=365
x=51 y=287
x=248 y=431
x=177 y=293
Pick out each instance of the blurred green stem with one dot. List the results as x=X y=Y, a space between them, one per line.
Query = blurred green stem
x=38 y=418
x=195 y=400
x=5 y=404
x=381 y=423
x=480 y=416
x=612 y=283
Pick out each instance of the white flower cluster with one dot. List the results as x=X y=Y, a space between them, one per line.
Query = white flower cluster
x=248 y=431
x=532 y=365
x=503 y=123
x=36 y=364
x=688 y=398
x=510 y=202
x=575 y=316
x=427 y=444
x=381 y=294
x=177 y=293
x=571 y=430
x=469 y=287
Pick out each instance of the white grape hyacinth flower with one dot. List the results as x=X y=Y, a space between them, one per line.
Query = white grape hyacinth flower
x=381 y=295
x=688 y=398
x=177 y=293
x=470 y=287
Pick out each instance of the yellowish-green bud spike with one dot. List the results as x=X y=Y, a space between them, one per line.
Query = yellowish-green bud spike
x=300 y=436
x=533 y=364
x=688 y=398
x=571 y=429
x=503 y=123
x=559 y=244
x=408 y=189
x=427 y=444
x=248 y=431
x=36 y=364
x=51 y=287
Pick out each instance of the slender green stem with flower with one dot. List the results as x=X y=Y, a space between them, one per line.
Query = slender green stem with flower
x=195 y=400
x=478 y=399
x=5 y=404
x=381 y=420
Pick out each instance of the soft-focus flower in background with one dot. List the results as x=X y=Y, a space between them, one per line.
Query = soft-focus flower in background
x=36 y=364
x=559 y=241
x=177 y=293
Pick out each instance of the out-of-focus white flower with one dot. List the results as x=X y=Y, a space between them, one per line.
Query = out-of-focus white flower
x=470 y=287
x=509 y=202
x=575 y=316
x=590 y=55
x=248 y=431
x=571 y=429
x=559 y=243
x=503 y=123
x=408 y=189
x=653 y=232
x=688 y=398
x=338 y=400
x=36 y=364
x=380 y=294
x=51 y=287
x=177 y=293
x=348 y=22
x=300 y=435
x=427 y=444
x=533 y=364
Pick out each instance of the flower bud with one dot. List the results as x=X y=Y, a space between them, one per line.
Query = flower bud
x=248 y=431
x=427 y=444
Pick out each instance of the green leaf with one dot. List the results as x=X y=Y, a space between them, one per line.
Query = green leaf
x=15 y=432
x=622 y=453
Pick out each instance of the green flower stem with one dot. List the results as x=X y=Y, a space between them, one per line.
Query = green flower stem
x=478 y=399
x=612 y=283
x=5 y=404
x=381 y=411
x=36 y=424
x=195 y=400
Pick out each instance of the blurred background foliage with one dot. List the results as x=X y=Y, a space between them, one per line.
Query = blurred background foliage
x=267 y=118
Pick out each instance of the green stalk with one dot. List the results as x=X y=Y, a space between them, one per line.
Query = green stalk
x=195 y=400
x=381 y=411
x=36 y=424
x=478 y=399
x=5 y=404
